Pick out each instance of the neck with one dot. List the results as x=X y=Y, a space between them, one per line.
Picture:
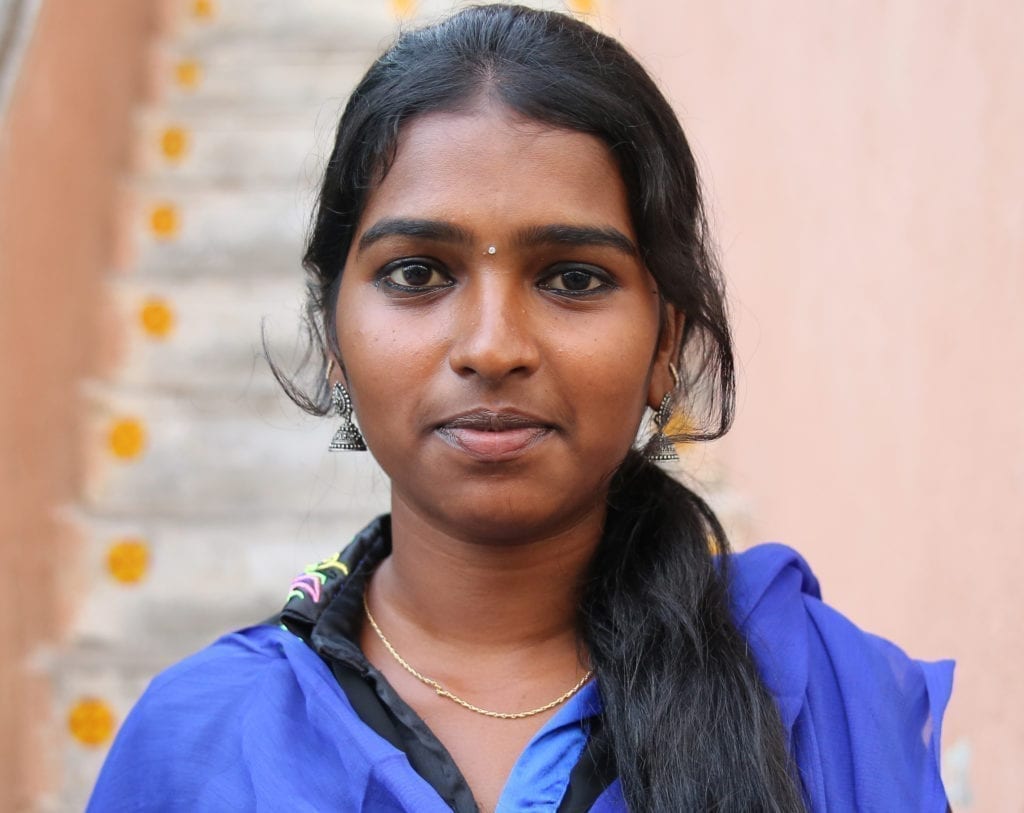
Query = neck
x=484 y=596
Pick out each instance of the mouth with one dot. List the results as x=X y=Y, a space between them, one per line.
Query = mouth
x=493 y=435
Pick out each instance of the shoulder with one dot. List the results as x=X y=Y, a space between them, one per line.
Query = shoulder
x=863 y=718
x=211 y=732
x=237 y=674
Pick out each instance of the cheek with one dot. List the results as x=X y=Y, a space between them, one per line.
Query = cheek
x=607 y=370
x=388 y=354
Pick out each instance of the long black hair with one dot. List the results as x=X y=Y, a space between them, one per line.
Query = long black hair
x=687 y=720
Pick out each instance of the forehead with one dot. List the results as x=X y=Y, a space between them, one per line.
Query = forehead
x=492 y=167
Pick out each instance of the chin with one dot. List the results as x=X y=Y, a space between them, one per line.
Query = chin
x=504 y=519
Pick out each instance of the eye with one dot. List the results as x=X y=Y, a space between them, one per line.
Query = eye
x=413 y=275
x=577 y=280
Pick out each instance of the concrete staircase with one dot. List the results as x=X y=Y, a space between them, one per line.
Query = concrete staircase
x=208 y=490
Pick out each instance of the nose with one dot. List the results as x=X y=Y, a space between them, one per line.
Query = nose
x=494 y=330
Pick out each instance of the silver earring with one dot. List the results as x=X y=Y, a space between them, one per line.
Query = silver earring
x=660 y=447
x=348 y=438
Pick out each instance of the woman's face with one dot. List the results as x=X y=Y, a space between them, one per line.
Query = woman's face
x=498 y=330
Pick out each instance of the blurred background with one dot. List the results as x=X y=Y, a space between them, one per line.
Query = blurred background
x=157 y=164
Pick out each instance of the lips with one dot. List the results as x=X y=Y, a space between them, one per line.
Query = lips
x=493 y=435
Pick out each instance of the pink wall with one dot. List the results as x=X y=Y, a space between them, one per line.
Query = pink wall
x=64 y=143
x=867 y=178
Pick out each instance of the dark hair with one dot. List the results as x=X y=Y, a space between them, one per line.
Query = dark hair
x=688 y=722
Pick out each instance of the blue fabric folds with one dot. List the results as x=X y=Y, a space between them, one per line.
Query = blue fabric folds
x=257 y=722
x=539 y=778
x=863 y=719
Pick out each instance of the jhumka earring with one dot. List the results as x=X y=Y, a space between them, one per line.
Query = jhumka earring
x=348 y=438
x=660 y=447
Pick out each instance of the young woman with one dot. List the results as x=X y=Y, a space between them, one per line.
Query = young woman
x=509 y=267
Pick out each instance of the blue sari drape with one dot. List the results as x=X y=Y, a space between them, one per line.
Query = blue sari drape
x=257 y=722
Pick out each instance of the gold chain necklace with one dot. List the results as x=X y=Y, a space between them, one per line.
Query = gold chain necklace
x=443 y=692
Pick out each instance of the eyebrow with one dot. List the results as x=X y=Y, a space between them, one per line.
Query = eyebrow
x=552 y=234
x=566 y=235
x=437 y=230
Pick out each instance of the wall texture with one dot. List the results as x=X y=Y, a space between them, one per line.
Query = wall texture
x=867 y=179
x=63 y=143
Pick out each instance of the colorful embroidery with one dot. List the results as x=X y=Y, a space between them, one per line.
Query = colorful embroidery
x=307 y=584
x=310 y=582
x=327 y=564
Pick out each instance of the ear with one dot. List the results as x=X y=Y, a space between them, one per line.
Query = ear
x=662 y=380
x=335 y=372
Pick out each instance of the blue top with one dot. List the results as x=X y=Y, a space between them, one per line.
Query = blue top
x=257 y=721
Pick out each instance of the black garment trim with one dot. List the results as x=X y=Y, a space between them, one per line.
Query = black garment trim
x=592 y=774
x=367 y=705
x=427 y=756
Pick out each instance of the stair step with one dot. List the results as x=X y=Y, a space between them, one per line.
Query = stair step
x=320 y=24
x=240 y=455
x=234 y=573
x=213 y=332
x=280 y=78
x=115 y=676
x=202 y=149
x=219 y=230
x=234 y=263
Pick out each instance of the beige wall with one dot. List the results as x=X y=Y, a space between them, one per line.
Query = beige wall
x=867 y=177
x=62 y=146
